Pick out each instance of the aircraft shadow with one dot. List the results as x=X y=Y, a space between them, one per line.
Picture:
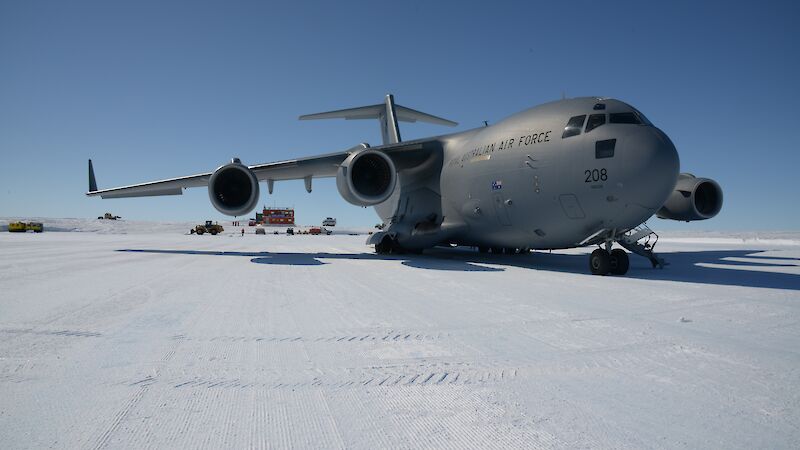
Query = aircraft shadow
x=707 y=267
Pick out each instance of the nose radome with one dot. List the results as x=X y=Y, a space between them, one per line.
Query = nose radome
x=655 y=165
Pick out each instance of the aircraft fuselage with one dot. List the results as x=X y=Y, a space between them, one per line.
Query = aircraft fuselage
x=526 y=183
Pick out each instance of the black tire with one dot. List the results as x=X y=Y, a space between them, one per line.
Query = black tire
x=384 y=247
x=483 y=249
x=600 y=262
x=200 y=232
x=619 y=262
x=213 y=232
x=497 y=250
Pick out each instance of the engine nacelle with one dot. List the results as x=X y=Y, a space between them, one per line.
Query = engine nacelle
x=233 y=189
x=693 y=199
x=366 y=178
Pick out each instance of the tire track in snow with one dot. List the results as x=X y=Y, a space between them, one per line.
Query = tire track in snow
x=120 y=416
x=66 y=333
x=333 y=379
x=391 y=336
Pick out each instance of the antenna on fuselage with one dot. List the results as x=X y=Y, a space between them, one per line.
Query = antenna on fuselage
x=486 y=123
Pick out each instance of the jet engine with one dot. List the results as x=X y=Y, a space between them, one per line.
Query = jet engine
x=366 y=178
x=233 y=189
x=693 y=199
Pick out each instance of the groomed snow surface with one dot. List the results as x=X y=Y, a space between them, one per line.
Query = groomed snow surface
x=157 y=339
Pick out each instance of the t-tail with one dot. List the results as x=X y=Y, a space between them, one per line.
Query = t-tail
x=388 y=114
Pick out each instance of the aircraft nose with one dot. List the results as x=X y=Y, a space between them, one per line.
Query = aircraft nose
x=654 y=166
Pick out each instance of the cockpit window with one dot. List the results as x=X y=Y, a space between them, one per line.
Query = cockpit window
x=574 y=126
x=595 y=120
x=642 y=117
x=625 y=117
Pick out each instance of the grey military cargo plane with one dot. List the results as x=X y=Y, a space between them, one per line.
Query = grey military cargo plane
x=570 y=173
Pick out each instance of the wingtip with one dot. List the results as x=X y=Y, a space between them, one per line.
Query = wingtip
x=92 y=179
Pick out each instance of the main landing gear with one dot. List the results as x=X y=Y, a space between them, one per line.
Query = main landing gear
x=389 y=246
x=603 y=262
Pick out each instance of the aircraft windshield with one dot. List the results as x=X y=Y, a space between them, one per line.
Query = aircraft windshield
x=595 y=120
x=574 y=126
x=625 y=117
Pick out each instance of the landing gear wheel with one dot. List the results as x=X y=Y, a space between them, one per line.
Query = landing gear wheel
x=388 y=246
x=384 y=247
x=600 y=262
x=483 y=249
x=619 y=262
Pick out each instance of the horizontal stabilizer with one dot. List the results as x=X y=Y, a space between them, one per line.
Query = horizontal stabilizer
x=387 y=113
x=403 y=114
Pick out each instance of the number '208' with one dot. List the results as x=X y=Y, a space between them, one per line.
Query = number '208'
x=595 y=175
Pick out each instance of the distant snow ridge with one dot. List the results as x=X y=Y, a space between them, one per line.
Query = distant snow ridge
x=733 y=237
x=122 y=226
x=103 y=226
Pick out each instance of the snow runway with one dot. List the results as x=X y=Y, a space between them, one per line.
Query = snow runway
x=167 y=340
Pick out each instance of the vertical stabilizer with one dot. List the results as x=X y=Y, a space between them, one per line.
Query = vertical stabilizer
x=389 y=129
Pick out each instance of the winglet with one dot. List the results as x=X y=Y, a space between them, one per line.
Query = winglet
x=92 y=180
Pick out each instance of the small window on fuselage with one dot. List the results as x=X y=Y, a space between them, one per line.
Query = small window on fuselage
x=625 y=117
x=574 y=126
x=595 y=120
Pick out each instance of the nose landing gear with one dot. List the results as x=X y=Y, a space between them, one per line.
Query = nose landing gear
x=603 y=262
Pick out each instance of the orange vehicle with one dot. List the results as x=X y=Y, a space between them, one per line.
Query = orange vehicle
x=315 y=230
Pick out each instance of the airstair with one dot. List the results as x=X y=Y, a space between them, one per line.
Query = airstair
x=642 y=241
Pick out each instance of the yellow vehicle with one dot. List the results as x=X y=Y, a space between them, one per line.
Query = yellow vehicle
x=209 y=227
x=21 y=227
x=17 y=227
x=36 y=227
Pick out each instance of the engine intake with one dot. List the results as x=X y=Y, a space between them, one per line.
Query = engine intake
x=366 y=178
x=233 y=189
x=693 y=199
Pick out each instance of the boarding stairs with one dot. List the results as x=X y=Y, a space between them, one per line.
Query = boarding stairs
x=642 y=241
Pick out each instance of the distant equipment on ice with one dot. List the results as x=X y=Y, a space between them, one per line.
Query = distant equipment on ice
x=329 y=222
x=209 y=227
x=21 y=227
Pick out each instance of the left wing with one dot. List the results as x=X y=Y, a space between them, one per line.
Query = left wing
x=294 y=169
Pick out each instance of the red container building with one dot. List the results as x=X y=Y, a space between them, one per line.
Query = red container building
x=276 y=216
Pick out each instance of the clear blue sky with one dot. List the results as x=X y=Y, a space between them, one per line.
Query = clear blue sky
x=152 y=90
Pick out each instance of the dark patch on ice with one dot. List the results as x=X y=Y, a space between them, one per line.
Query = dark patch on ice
x=313 y=259
x=684 y=266
x=288 y=260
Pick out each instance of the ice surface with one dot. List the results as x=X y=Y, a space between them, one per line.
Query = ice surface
x=141 y=336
